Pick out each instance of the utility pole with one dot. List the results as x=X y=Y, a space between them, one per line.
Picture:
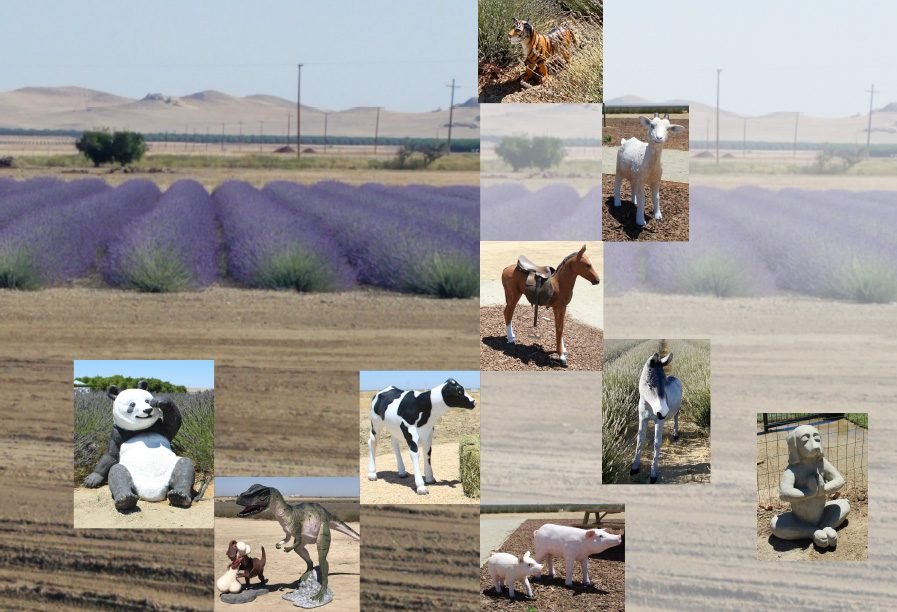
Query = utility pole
x=325 y=132
x=261 y=134
x=299 y=114
x=289 y=116
x=796 y=119
x=744 y=139
x=222 y=136
x=207 y=138
x=377 y=130
x=718 y=70
x=451 y=113
x=869 y=128
x=240 y=141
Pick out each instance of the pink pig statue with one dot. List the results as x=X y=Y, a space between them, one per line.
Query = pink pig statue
x=573 y=544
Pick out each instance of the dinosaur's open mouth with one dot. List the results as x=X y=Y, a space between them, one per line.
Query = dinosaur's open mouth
x=250 y=510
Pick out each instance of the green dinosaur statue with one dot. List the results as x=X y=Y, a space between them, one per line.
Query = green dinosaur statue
x=304 y=523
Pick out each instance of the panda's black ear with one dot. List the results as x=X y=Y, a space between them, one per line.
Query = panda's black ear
x=142 y=385
x=112 y=392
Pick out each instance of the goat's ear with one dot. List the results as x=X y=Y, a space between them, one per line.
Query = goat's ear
x=644 y=121
x=666 y=360
x=674 y=128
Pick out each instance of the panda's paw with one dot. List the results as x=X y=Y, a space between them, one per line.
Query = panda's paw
x=93 y=480
x=179 y=499
x=125 y=503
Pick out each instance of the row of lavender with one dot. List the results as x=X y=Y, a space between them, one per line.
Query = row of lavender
x=750 y=242
x=509 y=211
x=324 y=237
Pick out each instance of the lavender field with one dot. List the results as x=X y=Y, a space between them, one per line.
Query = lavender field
x=324 y=237
x=755 y=242
x=509 y=211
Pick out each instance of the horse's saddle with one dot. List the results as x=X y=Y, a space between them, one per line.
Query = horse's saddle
x=538 y=289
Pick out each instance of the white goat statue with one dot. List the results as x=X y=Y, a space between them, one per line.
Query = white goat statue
x=660 y=397
x=639 y=163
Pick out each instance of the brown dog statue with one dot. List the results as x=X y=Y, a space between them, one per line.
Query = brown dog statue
x=249 y=567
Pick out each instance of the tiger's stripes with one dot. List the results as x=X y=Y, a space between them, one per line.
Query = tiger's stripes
x=539 y=49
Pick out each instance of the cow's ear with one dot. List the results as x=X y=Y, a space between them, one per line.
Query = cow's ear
x=112 y=392
x=143 y=385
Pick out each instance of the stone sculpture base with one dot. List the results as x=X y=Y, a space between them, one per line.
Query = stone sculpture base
x=302 y=596
x=244 y=596
x=788 y=527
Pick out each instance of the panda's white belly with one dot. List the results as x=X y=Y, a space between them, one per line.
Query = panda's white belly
x=150 y=461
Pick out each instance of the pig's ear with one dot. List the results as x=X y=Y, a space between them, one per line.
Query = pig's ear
x=592 y=533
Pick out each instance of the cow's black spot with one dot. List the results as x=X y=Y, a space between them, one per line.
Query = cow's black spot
x=411 y=444
x=373 y=431
x=415 y=410
x=384 y=399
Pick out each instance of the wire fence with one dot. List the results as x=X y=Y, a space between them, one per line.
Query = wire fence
x=843 y=442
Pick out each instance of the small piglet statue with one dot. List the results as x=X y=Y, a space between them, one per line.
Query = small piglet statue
x=573 y=544
x=506 y=569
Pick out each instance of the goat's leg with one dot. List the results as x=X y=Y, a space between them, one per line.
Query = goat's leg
x=639 y=440
x=658 y=440
x=638 y=197
x=400 y=465
x=676 y=427
x=618 y=182
x=655 y=200
x=372 y=450
x=559 y=314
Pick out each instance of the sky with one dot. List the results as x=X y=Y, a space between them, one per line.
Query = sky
x=814 y=56
x=306 y=487
x=399 y=54
x=190 y=373
x=417 y=379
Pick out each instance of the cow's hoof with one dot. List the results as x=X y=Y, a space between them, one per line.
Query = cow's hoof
x=372 y=475
x=634 y=471
x=403 y=474
x=423 y=491
x=653 y=479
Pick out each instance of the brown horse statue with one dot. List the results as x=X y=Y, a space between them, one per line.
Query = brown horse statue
x=546 y=286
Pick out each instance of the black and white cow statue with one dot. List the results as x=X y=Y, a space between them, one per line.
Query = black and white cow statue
x=413 y=415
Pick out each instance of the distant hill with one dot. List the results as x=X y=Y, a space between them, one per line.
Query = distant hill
x=77 y=108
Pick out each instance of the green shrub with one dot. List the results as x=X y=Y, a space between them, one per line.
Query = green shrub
x=17 y=271
x=715 y=274
x=158 y=271
x=446 y=276
x=864 y=281
x=96 y=146
x=295 y=269
x=469 y=456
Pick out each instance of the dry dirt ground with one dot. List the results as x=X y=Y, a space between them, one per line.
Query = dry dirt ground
x=536 y=347
x=853 y=541
x=779 y=354
x=618 y=224
x=683 y=461
x=286 y=375
x=283 y=569
x=420 y=557
x=95 y=508
x=607 y=572
x=527 y=457
x=389 y=488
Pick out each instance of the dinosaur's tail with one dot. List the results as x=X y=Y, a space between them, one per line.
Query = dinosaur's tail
x=343 y=528
x=203 y=484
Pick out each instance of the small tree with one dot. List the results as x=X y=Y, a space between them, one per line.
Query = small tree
x=515 y=150
x=432 y=151
x=546 y=152
x=96 y=146
x=128 y=147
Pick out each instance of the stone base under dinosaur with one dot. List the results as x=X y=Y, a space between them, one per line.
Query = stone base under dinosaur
x=302 y=596
x=244 y=596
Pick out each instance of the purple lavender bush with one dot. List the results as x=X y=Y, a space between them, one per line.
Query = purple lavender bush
x=271 y=246
x=171 y=248
x=54 y=244
x=555 y=212
x=29 y=196
x=387 y=247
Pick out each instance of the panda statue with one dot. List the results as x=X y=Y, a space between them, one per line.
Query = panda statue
x=139 y=461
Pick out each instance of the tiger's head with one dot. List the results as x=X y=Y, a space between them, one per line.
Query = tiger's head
x=522 y=30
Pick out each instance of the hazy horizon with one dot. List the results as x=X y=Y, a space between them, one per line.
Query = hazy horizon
x=354 y=53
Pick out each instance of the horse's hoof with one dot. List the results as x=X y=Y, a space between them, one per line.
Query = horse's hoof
x=634 y=471
x=653 y=479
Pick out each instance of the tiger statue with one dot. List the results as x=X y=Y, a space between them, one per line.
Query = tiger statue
x=539 y=49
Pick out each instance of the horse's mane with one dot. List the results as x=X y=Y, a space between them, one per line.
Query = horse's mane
x=566 y=259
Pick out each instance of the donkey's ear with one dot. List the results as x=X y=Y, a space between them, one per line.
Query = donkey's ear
x=112 y=392
x=142 y=385
x=666 y=360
